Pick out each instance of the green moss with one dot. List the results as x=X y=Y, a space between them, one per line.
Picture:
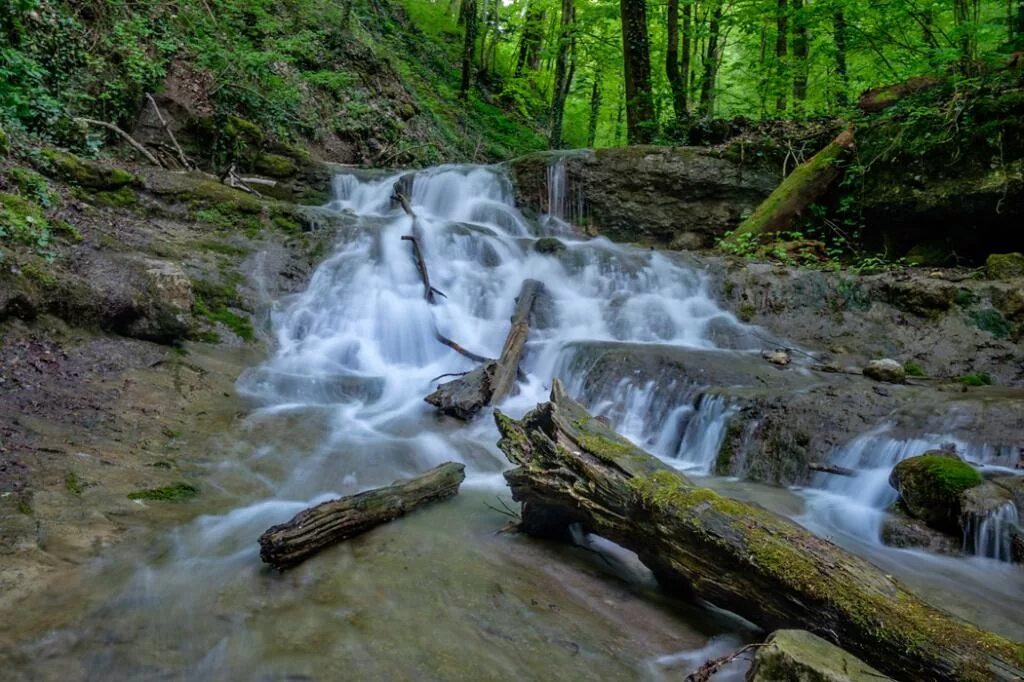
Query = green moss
x=90 y=174
x=286 y=223
x=37 y=271
x=24 y=507
x=243 y=131
x=33 y=186
x=976 y=379
x=746 y=312
x=727 y=453
x=992 y=321
x=223 y=248
x=965 y=298
x=913 y=369
x=1005 y=265
x=241 y=326
x=177 y=492
x=23 y=222
x=73 y=484
x=117 y=198
x=5 y=143
x=275 y=165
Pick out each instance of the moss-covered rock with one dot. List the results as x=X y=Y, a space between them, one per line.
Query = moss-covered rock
x=548 y=245
x=275 y=165
x=931 y=487
x=177 y=492
x=5 y=143
x=799 y=656
x=82 y=172
x=1005 y=265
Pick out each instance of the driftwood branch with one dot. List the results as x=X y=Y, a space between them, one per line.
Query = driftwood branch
x=570 y=468
x=458 y=349
x=127 y=138
x=712 y=666
x=326 y=524
x=831 y=469
x=232 y=180
x=492 y=382
x=185 y=162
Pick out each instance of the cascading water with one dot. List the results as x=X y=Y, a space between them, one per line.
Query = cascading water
x=565 y=204
x=340 y=409
x=991 y=535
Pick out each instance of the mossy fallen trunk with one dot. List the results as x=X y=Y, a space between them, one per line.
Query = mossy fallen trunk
x=806 y=184
x=311 y=530
x=573 y=469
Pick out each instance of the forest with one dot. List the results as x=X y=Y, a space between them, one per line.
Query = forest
x=512 y=339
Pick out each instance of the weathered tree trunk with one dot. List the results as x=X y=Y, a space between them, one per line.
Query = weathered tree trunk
x=533 y=35
x=311 y=530
x=800 y=47
x=839 y=36
x=595 y=109
x=490 y=383
x=686 y=53
x=801 y=188
x=468 y=16
x=570 y=468
x=712 y=58
x=781 y=51
x=672 y=72
x=641 y=125
x=563 y=73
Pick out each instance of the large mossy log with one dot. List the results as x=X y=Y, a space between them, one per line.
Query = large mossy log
x=570 y=468
x=801 y=188
x=490 y=383
x=311 y=530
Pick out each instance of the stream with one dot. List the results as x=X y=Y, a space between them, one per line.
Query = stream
x=442 y=594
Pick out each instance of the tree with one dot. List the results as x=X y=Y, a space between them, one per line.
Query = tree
x=675 y=75
x=839 y=38
x=641 y=124
x=565 y=67
x=712 y=59
x=800 y=46
x=468 y=15
x=531 y=39
x=781 y=35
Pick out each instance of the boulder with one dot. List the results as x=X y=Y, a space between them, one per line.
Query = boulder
x=900 y=530
x=82 y=172
x=1005 y=265
x=931 y=487
x=799 y=656
x=548 y=245
x=1014 y=485
x=888 y=371
x=681 y=196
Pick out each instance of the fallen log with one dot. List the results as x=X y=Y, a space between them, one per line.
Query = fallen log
x=831 y=469
x=801 y=188
x=570 y=468
x=880 y=98
x=493 y=381
x=311 y=530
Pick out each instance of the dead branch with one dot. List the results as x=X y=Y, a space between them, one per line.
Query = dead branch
x=185 y=161
x=127 y=138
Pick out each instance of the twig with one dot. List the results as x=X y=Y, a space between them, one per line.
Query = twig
x=449 y=374
x=185 y=162
x=459 y=349
x=504 y=512
x=128 y=138
x=232 y=180
x=712 y=666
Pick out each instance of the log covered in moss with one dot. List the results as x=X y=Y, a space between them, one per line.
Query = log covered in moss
x=311 y=530
x=570 y=468
x=801 y=188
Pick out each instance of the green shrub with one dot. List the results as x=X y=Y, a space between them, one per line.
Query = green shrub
x=976 y=379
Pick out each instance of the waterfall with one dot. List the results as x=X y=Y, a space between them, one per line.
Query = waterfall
x=565 y=203
x=991 y=535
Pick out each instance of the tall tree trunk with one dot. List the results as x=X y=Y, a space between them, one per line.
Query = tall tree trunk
x=965 y=17
x=641 y=125
x=563 y=72
x=672 y=71
x=686 y=51
x=800 y=46
x=839 y=37
x=529 y=43
x=469 y=46
x=711 y=61
x=595 y=109
x=618 y=115
x=781 y=51
x=1018 y=28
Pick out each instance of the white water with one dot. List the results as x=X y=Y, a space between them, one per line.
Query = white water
x=990 y=536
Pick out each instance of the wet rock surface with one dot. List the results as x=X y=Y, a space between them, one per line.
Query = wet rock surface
x=937 y=488
x=688 y=197
x=799 y=656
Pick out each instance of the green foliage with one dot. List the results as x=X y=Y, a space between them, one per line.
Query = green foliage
x=177 y=492
x=23 y=222
x=74 y=484
x=991 y=321
x=976 y=379
x=33 y=186
x=913 y=369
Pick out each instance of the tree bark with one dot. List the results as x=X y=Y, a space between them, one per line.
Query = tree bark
x=490 y=383
x=711 y=62
x=839 y=36
x=800 y=47
x=595 y=109
x=570 y=468
x=641 y=125
x=529 y=43
x=468 y=16
x=563 y=73
x=808 y=182
x=672 y=71
x=314 y=529
x=781 y=50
